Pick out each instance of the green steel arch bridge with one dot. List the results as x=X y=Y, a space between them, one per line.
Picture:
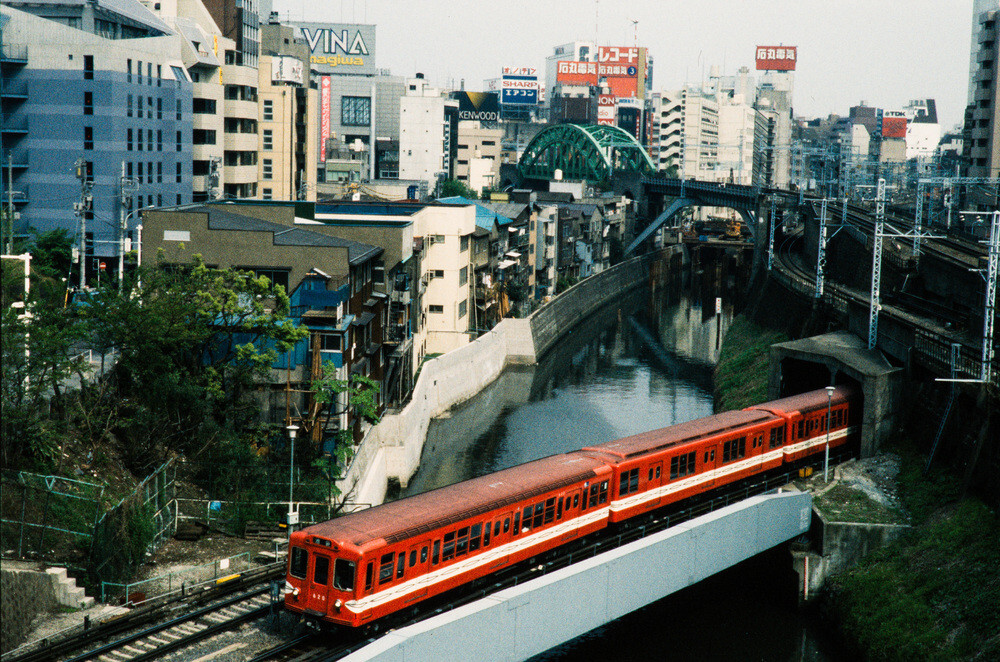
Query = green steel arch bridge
x=583 y=151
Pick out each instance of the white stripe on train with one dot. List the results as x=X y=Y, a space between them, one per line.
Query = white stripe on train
x=587 y=518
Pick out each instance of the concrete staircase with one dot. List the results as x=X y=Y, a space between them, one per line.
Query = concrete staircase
x=66 y=591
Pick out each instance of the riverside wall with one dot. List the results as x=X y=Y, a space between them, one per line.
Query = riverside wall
x=391 y=449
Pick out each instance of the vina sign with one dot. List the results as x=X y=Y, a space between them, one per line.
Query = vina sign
x=340 y=48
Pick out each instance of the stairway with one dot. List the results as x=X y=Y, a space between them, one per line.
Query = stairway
x=66 y=591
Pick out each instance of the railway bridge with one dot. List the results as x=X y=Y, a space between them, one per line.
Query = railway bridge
x=520 y=622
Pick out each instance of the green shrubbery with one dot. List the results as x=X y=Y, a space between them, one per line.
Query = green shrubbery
x=741 y=374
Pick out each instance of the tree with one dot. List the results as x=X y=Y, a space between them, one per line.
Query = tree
x=192 y=344
x=452 y=187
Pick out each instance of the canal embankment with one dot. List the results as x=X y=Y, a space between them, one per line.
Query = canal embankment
x=391 y=450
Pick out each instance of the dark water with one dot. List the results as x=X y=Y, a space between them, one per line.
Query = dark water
x=635 y=366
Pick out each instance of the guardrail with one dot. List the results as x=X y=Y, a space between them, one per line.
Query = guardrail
x=178 y=581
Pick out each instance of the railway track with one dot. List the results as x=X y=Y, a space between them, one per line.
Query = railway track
x=183 y=631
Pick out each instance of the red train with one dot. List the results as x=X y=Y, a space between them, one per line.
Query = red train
x=366 y=565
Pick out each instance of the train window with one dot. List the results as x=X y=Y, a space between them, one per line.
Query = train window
x=463 y=541
x=449 y=547
x=321 y=570
x=486 y=534
x=539 y=511
x=682 y=465
x=343 y=575
x=706 y=457
x=550 y=510
x=474 y=537
x=423 y=554
x=517 y=523
x=604 y=491
x=413 y=557
x=436 y=556
x=385 y=568
x=576 y=500
x=802 y=429
x=734 y=449
x=650 y=476
x=297 y=567
x=593 y=496
x=781 y=436
x=496 y=527
x=527 y=517
x=369 y=575
x=400 y=564
x=629 y=482
x=657 y=471
x=559 y=507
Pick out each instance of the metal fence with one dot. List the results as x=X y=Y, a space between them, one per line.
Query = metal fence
x=47 y=517
x=177 y=581
x=139 y=523
x=232 y=517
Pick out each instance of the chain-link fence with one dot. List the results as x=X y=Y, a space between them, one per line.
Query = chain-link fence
x=141 y=522
x=47 y=517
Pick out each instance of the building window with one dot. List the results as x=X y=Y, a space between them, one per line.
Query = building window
x=159 y=108
x=138 y=106
x=159 y=140
x=276 y=277
x=129 y=70
x=128 y=106
x=266 y=194
x=178 y=173
x=179 y=142
x=138 y=177
x=463 y=276
x=463 y=308
x=268 y=139
x=149 y=108
x=88 y=67
x=435 y=309
x=464 y=245
x=355 y=111
x=268 y=110
x=178 y=110
x=268 y=169
x=88 y=103
x=128 y=139
x=159 y=172
x=88 y=137
x=203 y=137
x=330 y=342
x=203 y=106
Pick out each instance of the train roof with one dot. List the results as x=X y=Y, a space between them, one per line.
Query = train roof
x=647 y=442
x=805 y=402
x=412 y=516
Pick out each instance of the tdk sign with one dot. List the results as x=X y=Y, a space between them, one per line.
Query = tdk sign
x=339 y=48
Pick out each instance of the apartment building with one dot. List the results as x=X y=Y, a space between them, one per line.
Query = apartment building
x=428 y=123
x=477 y=155
x=102 y=84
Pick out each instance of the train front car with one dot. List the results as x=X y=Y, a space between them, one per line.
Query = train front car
x=364 y=566
x=322 y=574
x=806 y=427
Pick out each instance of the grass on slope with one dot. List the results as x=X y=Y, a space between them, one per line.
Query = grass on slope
x=741 y=374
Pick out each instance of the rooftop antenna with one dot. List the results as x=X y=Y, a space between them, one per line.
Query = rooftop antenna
x=635 y=28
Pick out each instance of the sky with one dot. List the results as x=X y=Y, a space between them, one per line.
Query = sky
x=883 y=52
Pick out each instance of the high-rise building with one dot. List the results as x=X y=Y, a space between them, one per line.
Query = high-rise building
x=981 y=135
x=774 y=102
x=428 y=122
x=686 y=132
x=103 y=85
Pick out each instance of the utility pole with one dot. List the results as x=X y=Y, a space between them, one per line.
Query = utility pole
x=126 y=187
x=82 y=208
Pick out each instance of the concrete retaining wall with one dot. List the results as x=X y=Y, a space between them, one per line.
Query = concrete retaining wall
x=23 y=595
x=392 y=448
x=520 y=622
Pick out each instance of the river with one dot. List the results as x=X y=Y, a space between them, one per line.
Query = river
x=634 y=366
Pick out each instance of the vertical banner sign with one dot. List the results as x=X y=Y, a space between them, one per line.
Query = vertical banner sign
x=606 y=109
x=324 y=117
x=215 y=51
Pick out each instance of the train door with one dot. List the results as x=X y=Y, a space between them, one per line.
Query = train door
x=708 y=464
x=319 y=582
x=654 y=479
x=417 y=564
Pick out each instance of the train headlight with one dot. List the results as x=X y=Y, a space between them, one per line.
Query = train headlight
x=338 y=604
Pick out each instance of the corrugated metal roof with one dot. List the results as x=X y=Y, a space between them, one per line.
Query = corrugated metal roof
x=485 y=217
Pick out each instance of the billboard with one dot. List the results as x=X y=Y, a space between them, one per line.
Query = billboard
x=776 y=58
x=339 y=48
x=480 y=106
x=286 y=69
x=569 y=72
x=893 y=127
x=519 y=86
x=624 y=70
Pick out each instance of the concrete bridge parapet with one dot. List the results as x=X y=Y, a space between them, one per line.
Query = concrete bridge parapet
x=523 y=621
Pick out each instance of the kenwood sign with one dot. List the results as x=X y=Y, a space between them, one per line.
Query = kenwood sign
x=481 y=106
x=339 y=48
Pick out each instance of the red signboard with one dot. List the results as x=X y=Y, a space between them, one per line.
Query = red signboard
x=776 y=58
x=894 y=127
x=576 y=73
x=606 y=109
x=324 y=117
